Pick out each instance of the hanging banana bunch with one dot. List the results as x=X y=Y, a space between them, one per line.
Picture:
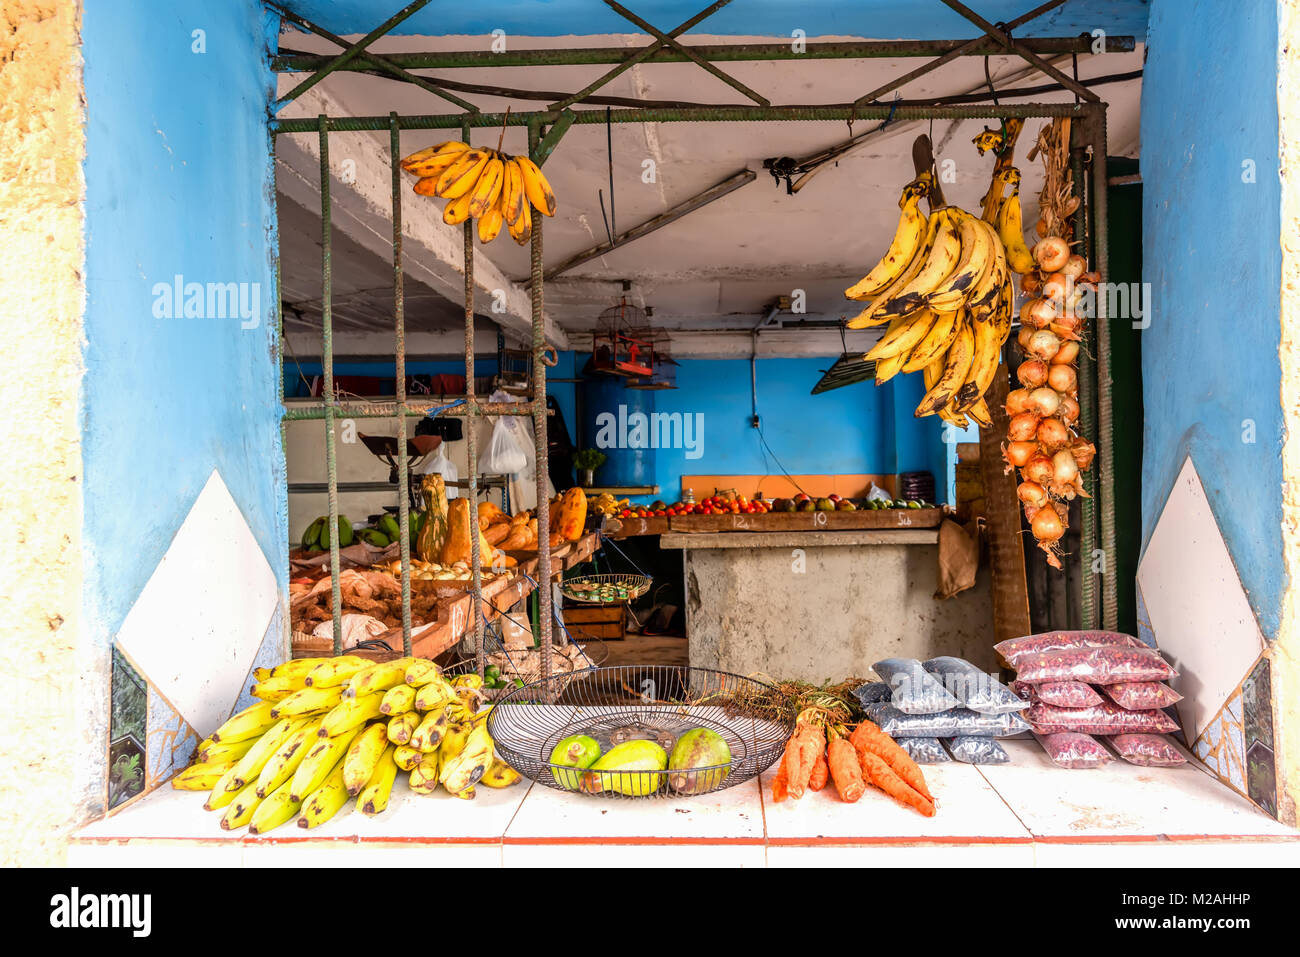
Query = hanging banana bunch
x=492 y=187
x=944 y=288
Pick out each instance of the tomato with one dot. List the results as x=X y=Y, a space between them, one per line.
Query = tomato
x=625 y=514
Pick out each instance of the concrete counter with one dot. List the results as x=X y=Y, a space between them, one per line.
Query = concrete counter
x=825 y=605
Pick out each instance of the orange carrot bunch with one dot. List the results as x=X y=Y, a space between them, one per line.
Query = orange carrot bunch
x=888 y=767
x=804 y=763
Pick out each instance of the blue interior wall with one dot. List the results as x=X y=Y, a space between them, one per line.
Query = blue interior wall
x=1210 y=356
x=178 y=182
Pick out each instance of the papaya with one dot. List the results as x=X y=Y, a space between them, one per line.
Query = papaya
x=698 y=748
x=629 y=768
x=572 y=517
x=432 y=536
x=576 y=751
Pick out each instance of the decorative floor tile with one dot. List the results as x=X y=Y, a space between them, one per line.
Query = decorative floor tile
x=171 y=742
x=1261 y=777
x=1257 y=695
x=126 y=733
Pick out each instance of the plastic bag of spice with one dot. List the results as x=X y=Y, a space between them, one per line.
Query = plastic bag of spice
x=912 y=690
x=972 y=750
x=1059 y=694
x=924 y=750
x=1099 y=666
x=1104 y=718
x=1074 y=750
x=973 y=688
x=945 y=724
x=1142 y=695
x=1147 y=750
x=872 y=692
x=1013 y=648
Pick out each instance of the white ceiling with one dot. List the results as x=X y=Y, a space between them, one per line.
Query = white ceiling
x=721 y=266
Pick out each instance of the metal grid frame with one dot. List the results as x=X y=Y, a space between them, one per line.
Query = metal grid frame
x=545 y=129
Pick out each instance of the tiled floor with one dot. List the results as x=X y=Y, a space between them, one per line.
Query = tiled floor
x=1024 y=814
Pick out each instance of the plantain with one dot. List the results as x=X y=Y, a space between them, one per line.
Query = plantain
x=908 y=237
x=433 y=160
x=956 y=365
x=461 y=177
x=536 y=188
x=488 y=187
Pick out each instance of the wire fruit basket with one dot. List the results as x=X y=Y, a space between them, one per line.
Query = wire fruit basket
x=605 y=589
x=655 y=704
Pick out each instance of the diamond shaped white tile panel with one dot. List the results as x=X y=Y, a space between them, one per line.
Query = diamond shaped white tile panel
x=200 y=619
x=1198 y=610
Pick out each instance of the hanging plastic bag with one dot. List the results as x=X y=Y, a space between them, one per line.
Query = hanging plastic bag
x=439 y=464
x=504 y=455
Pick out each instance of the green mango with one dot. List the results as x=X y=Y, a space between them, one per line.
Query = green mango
x=624 y=768
x=698 y=748
x=576 y=751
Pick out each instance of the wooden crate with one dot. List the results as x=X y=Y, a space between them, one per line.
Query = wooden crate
x=607 y=622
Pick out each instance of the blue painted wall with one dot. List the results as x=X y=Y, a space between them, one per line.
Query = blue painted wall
x=1211 y=254
x=178 y=181
x=921 y=19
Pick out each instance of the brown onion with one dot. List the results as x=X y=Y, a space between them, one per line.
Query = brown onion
x=1074 y=266
x=1018 y=401
x=1043 y=344
x=1045 y=401
x=1052 y=434
x=1031 y=283
x=1032 y=373
x=1065 y=355
x=1041 y=227
x=1057 y=286
x=1069 y=409
x=1023 y=427
x=1022 y=337
x=1018 y=454
x=1038 y=469
x=1062 y=378
x=1046 y=525
x=1051 y=253
x=1083 y=452
x=1064 y=468
x=1031 y=493
x=1038 y=313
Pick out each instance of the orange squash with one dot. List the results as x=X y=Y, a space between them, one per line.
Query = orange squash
x=457 y=546
x=433 y=532
x=498 y=533
x=572 y=516
x=490 y=514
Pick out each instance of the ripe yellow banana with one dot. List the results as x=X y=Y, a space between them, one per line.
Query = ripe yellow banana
x=457 y=211
x=308 y=701
x=939 y=264
x=282 y=765
x=249 y=767
x=536 y=188
x=403 y=726
x=374 y=796
x=512 y=191
x=979 y=412
x=490 y=223
x=421 y=671
x=954 y=418
x=988 y=287
x=873 y=314
x=461 y=176
x=215 y=752
x=907 y=239
x=275 y=689
x=972 y=264
x=201 y=777
x=261 y=674
x=220 y=795
x=334 y=672
x=901 y=339
x=1011 y=230
x=276 y=808
x=350 y=713
x=407 y=758
x=426 y=162
x=424 y=775
x=428 y=736
x=363 y=756
x=326 y=801
x=398 y=700
x=956 y=364
x=488 y=187
x=522 y=228
x=434 y=696
x=250 y=723
x=936 y=342
x=298 y=668
x=241 y=809
x=467 y=768
x=454 y=738
x=320 y=760
x=500 y=775
x=378 y=677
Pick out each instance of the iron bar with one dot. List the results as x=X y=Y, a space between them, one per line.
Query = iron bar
x=471 y=442
x=713 y=114
x=536 y=294
x=951 y=54
x=327 y=362
x=381 y=63
x=399 y=320
x=627 y=62
x=350 y=54
x=387 y=410
x=1087 y=404
x=698 y=60
x=698 y=201
x=552 y=137
x=1013 y=46
x=717 y=53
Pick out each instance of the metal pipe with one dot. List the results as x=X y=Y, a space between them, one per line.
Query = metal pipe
x=399 y=320
x=1087 y=414
x=539 y=430
x=471 y=440
x=772 y=312
x=717 y=53
x=386 y=410
x=714 y=114
x=1105 y=417
x=327 y=362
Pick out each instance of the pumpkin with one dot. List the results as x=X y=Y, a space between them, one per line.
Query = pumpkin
x=520 y=518
x=489 y=514
x=517 y=540
x=432 y=534
x=457 y=547
x=498 y=533
x=572 y=518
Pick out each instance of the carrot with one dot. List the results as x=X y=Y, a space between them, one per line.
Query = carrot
x=881 y=775
x=820 y=773
x=868 y=738
x=845 y=770
x=780 y=788
x=808 y=741
x=791 y=763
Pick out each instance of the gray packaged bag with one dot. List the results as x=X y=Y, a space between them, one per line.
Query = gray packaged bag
x=945 y=724
x=972 y=750
x=973 y=688
x=925 y=750
x=871 y=692
x=912 y=689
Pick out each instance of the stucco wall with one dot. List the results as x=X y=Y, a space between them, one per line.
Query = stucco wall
x=41 y=296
